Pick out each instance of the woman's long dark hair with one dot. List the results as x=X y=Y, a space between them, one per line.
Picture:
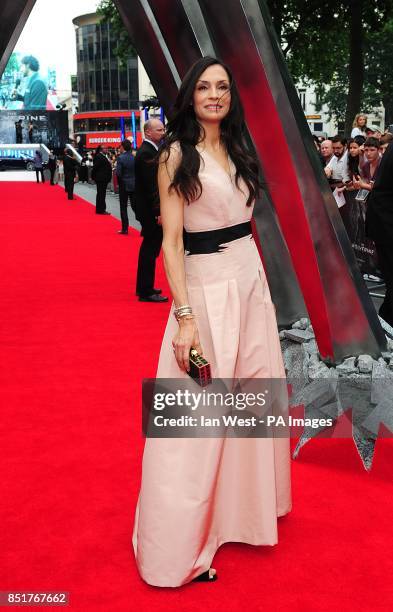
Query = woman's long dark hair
x=184 y=128
x=353 y=162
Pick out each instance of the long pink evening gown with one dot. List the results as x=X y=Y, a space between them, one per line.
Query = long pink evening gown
x=198 y=493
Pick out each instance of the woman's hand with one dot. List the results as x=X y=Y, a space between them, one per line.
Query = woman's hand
x=357 y=182
x=186 y=337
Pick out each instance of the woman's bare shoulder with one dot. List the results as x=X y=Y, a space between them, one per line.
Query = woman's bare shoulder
x=171 y=157
x=172 y=152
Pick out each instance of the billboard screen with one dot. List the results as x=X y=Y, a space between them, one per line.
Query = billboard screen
x=28 y=83
x=46 y=127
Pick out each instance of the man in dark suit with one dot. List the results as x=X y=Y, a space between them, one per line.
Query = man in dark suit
x=125 y=172
x=70 y=164
x=18 y=131
x=30 y=132
x=101 y=175
x=52 y=165
x=379 y=227
x=148 y=211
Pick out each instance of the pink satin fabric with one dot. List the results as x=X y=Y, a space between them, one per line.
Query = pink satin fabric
x=197 y=494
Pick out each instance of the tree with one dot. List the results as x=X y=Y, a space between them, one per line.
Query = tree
x=310 y=35
x=377 y=86
x=326 y=44
x=109 y=13
x=356 y=61
x=378 y=69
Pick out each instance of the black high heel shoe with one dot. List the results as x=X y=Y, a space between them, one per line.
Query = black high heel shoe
x=206 y=577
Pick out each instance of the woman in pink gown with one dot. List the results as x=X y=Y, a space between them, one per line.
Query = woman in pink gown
x=198 y=493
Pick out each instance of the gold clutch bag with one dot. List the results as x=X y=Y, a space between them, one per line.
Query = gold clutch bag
x=199 y=369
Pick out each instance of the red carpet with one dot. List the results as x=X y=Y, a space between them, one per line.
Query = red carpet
x=75 y=344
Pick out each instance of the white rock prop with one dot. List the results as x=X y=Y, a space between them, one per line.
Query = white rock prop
x=298 y=335
x=311 y=347
x=347 y=366
x=382 y=382
x=365 y=364
x=319 y=369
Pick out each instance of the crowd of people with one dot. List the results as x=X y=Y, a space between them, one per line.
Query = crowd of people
x=19 y=128
x=133 y=175
x=352 y=167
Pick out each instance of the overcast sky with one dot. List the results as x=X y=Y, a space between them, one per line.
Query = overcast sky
x=49 y=35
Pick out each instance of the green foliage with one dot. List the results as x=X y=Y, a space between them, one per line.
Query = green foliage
x=311 y=36
x=378 y=86
x=109 y=13
x=378 y=66
x=12 y=64
x=315 y=38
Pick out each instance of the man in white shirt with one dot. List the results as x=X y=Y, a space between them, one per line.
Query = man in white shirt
x=337 y=168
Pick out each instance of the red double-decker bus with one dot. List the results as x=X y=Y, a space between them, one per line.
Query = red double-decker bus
x=105 y=128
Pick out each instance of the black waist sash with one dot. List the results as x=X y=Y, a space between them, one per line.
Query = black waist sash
x=211 y=241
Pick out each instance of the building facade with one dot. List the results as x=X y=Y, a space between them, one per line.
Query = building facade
x=320 y=123
x=103 y=83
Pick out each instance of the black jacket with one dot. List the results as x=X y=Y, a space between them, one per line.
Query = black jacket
x=52 y=162
x=147 y=200
x=70 y=165
x=102 y=169
x=125 y=171
x=379 y=215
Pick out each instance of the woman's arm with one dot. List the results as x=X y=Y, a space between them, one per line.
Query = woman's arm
x=171 y=207
x=362 y=183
